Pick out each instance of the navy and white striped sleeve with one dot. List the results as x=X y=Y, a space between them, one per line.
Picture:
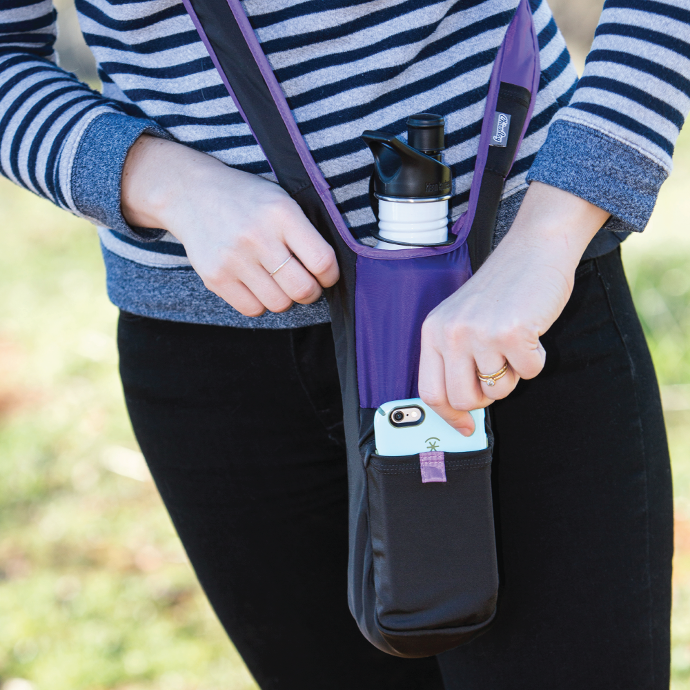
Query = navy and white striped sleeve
x=58 y=138
x=613 y=144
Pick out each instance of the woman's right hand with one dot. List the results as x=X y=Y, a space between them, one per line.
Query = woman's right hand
x=236 y=227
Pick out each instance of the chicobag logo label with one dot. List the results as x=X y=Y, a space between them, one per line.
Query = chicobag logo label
x=501 y=129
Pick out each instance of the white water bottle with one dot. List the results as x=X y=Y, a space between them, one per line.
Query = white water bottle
x=410 y=184
x=418 y=224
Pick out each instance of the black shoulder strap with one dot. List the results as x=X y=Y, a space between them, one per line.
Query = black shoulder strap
x=251 y=90
x=513 y=101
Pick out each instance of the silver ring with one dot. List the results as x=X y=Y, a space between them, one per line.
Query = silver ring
x=272 y=273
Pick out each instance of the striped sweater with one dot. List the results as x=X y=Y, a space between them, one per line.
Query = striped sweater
x=344 y=66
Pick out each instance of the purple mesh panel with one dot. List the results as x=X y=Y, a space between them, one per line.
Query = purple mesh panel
x=392 y=299
x=433 y=466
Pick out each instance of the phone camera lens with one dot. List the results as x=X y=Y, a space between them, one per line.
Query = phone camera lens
x=398 y=416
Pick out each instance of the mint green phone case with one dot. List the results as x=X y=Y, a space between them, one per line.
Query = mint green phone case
x=431 y=434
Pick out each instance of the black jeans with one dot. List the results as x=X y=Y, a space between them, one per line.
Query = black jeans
x=242 y=431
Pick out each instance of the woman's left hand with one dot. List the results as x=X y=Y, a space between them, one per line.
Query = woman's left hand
x=498 y=316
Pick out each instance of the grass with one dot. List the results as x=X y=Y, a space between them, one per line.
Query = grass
x=95 y=590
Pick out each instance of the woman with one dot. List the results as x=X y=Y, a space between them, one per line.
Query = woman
x=226 y=355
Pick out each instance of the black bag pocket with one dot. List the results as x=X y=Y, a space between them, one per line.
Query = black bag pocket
x=434 y=550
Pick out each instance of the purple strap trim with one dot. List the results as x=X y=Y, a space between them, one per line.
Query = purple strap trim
x=524 y=65
x=433 y=466
x=517 y=62
x=519 y=49
x=463 y=224
x=221 y=73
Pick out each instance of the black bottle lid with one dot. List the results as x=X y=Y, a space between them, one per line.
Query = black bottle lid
x=425 y=133
x=406 y=171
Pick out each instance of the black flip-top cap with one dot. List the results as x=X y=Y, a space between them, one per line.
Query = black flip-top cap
x=425 y=132
x=401 y=171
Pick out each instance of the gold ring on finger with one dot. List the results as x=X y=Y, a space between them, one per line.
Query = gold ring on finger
x=490 y=379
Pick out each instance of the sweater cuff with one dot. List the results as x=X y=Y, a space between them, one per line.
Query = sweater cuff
x=602 y=170
x=97 y=171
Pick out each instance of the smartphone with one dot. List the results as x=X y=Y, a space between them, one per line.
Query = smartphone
x=408 y=427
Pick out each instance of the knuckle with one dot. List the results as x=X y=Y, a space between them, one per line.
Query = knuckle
x=279 y=209
x=507 y=335
x=304 y=292
x=432 y=398
x=280 y=305
x=430 y=329
x=251 y=311
x=484 y=334
x=465 y=397
x=225 y=254
x=514 y=333
x=281 y=206
x=213 y=278
x=323 y=261
x=455 y=332
x=531 y=370
x=464 y=403
x=208 y=281
x=218 y=271
x=245 y=243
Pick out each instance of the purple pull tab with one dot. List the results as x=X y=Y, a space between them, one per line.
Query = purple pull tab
x=433 y=466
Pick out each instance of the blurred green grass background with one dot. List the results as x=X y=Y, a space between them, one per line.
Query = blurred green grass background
x=95 y=590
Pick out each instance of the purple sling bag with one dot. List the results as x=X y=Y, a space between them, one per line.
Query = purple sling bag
x=422 y=574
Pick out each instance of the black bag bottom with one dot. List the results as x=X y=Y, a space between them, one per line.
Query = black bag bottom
x=423 y=643
x=434 y=551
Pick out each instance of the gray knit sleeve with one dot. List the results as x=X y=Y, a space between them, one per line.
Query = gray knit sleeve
x=612 y=145
x=97 y=171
